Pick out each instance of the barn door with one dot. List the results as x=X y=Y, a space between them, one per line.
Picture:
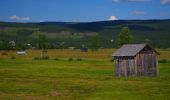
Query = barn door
x=131 y=67
x=132 y=62
x=152 y=64
x=149 y=65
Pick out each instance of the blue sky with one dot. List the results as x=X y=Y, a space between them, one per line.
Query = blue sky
x=82 y=10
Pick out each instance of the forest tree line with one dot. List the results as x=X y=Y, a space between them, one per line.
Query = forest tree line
x=24 y=35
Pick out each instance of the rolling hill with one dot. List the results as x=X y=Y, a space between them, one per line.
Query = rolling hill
x=156 y=32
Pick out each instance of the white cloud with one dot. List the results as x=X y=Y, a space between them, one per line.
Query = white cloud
x=41 y=21
x=165 y=1
x=139 y=13
x=15 y=17
x=25 y=18
x=116 y=1
x=113 y=18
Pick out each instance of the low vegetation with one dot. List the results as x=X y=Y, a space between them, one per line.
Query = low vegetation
x=42 y=58
x=89 y=79
x=163 y=61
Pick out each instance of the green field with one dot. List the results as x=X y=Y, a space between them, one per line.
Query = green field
x=92 y=78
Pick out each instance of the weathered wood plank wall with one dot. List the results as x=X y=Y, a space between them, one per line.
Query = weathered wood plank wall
x=143 y=64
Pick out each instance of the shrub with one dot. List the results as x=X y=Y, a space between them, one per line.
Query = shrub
x=162 y=61
x=79 y=59
x=56 y=59
x=70 y=59
x=4 y=53
x=12 y=57
x=36 y=58
x=41 y=58
x=44 y=58
x=112 y=60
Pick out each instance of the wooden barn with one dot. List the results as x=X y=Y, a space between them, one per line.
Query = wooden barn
x=136 y=60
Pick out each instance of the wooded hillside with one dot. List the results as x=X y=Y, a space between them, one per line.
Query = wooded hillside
x=66 y=34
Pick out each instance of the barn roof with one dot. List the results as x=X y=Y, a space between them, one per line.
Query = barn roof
x=131 y=50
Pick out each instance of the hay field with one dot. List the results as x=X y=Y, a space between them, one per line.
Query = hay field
x=24 y=78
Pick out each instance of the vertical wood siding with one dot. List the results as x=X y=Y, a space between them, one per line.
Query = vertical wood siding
x=143 y=64
x=146 y=64
x=124 y=66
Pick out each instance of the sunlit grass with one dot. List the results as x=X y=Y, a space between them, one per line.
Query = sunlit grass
x=103 y=54
x=90 y=79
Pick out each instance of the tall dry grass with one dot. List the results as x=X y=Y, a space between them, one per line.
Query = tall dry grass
x=102 y=54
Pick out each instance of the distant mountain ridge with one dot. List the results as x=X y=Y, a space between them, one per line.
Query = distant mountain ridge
x=99 y=24
x=157 y=32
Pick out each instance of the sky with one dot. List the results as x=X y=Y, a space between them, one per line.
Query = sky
x=82 y=10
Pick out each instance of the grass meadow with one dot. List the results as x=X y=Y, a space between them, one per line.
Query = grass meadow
x=91 y=78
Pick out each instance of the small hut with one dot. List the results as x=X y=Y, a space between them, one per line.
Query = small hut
x=136 y=60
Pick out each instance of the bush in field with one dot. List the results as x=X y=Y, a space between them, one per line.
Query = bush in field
x=4 y=53
x=36 y=58
x=44 y=58
x=41 y=58
x=79 y=59
x=112 y=60
x=70 y=59
x=56 y=59
x=12 y=57
x=163 y=61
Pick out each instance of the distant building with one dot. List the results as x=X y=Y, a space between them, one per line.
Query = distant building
x=71 y=48
x=84 y=49
x=136 y=60
x=21 y=52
